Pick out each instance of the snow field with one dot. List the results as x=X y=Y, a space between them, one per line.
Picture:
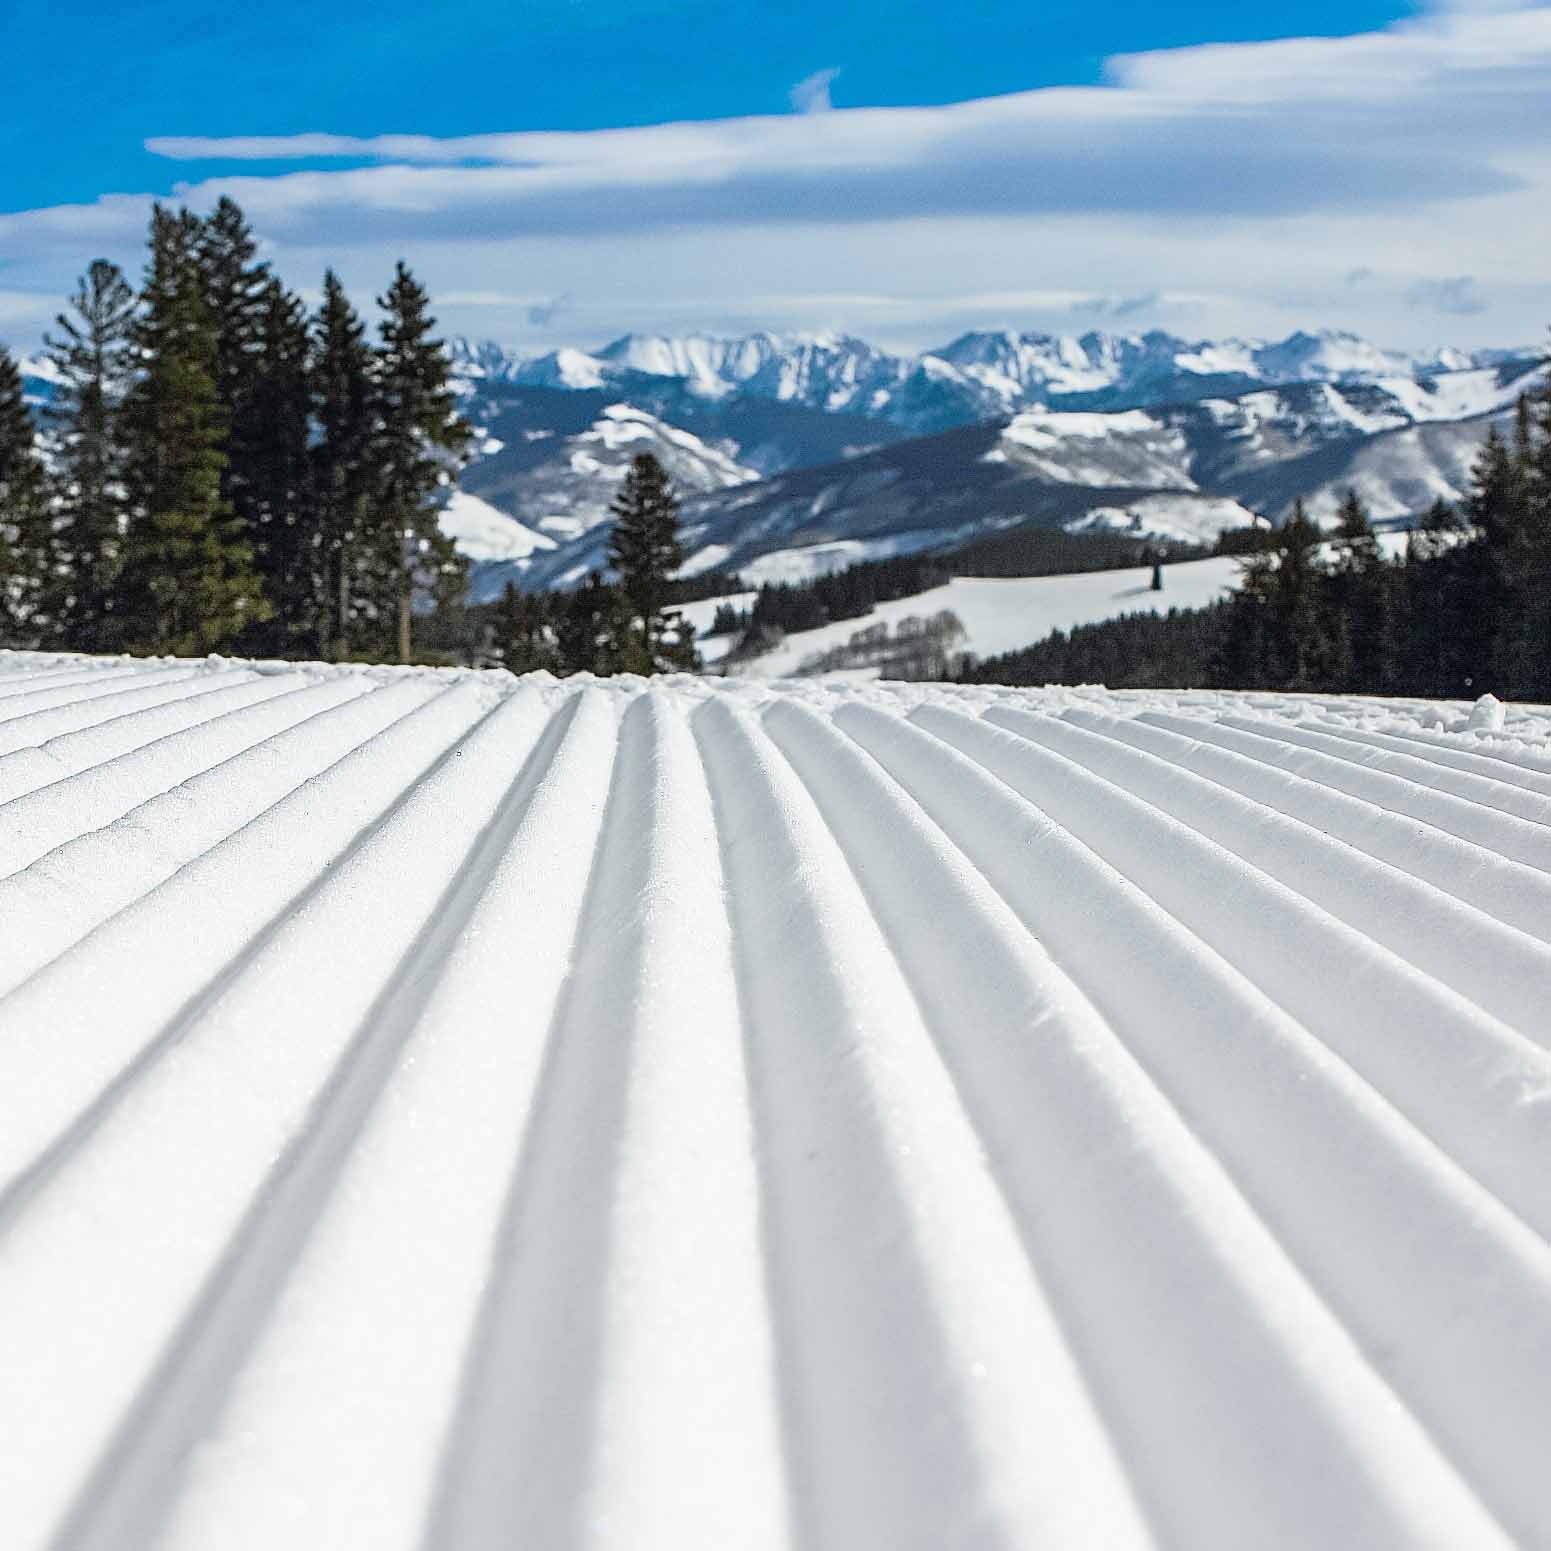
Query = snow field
x=439 y=1110
x=1001 y=614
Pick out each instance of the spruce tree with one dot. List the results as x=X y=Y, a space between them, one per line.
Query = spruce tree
x=92 y=357
x=1300 y=645
x=281 y=514
x=593 y=630
x=29 y=569
x=420 y=443
x=645 y=551
x=1496 y=566
x=236 y=286
x=1243 y=659
x=524 y=636
x=188 y=583
x=1436 y=603
x=1362 y=656
x=344 y=402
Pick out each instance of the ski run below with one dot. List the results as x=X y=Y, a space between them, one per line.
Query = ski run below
x=446 y=1112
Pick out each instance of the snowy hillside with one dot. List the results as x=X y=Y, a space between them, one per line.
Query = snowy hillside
x=999 y=614
x=443 y=1110
x=557 y=488
x=1185 y=470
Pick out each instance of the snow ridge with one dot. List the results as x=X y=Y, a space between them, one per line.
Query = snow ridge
x=651 y=1114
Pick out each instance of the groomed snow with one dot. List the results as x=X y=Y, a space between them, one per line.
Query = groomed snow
x=442 y=1111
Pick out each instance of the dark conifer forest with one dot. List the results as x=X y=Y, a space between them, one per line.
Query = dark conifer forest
x=1465 y=610
x=227 y=472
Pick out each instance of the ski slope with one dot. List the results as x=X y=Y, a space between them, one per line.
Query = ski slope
x=449 y=1112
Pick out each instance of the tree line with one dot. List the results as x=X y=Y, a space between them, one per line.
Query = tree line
x=600 y=627
x=224 y=470
x=1466 y=609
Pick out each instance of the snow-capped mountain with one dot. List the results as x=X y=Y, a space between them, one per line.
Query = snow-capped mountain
x=1141 y=370
x=557 y=487
x=1183 y=471
x=979 y=376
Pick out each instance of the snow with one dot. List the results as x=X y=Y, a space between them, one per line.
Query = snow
x=1195 y=519
x=444 y=1109
x=1042 y=429
x=1001 y=614
x=483 y=533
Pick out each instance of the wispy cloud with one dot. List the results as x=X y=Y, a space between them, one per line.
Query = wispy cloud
x=1120 y=306
x=1258 y=172
x=543 y=314
x=811 y=93
x=1458 y=295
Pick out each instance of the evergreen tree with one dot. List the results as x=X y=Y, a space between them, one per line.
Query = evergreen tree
x=1435 y=604
x=29 y=572
x=592 y=620
x=93 y=362
x=420 y=442
x=343 y=472
x=1360 y=628
x=1507 y=562
x=644 y=550
x=524 y=635
x=188 y=584
x=1300 y=648
x=1243 y=658
x=280 y=513
x=236 y=286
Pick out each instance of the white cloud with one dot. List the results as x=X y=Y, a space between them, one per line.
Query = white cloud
x=811 y=93
x=1255 y=178
x=1456 y=294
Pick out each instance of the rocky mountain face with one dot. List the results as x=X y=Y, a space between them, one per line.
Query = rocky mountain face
x=1182 y=469
x=979 y=376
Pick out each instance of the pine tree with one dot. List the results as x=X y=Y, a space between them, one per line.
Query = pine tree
x=29 y=571
x=236 y=286
x=523 y=634
x=420 y=442
x=1436 y=603
x=644 y=550
x=281 y=514
x=188 y=584
x=1360 y=628
x=1300 y=647
x=1243 y=659
x=93 y=363
x=593 y=630
x=1497 y=566
x=343 y=472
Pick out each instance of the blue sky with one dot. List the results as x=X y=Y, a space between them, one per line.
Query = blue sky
x=185 y=67
x=1209 y=168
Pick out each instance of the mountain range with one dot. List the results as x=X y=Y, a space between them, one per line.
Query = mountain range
x=795 y=454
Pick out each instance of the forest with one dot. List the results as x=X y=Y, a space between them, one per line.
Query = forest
x=1465 y=610
x=226 y=472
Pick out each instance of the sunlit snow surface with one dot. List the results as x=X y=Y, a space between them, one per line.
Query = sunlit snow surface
x=443 y=1111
